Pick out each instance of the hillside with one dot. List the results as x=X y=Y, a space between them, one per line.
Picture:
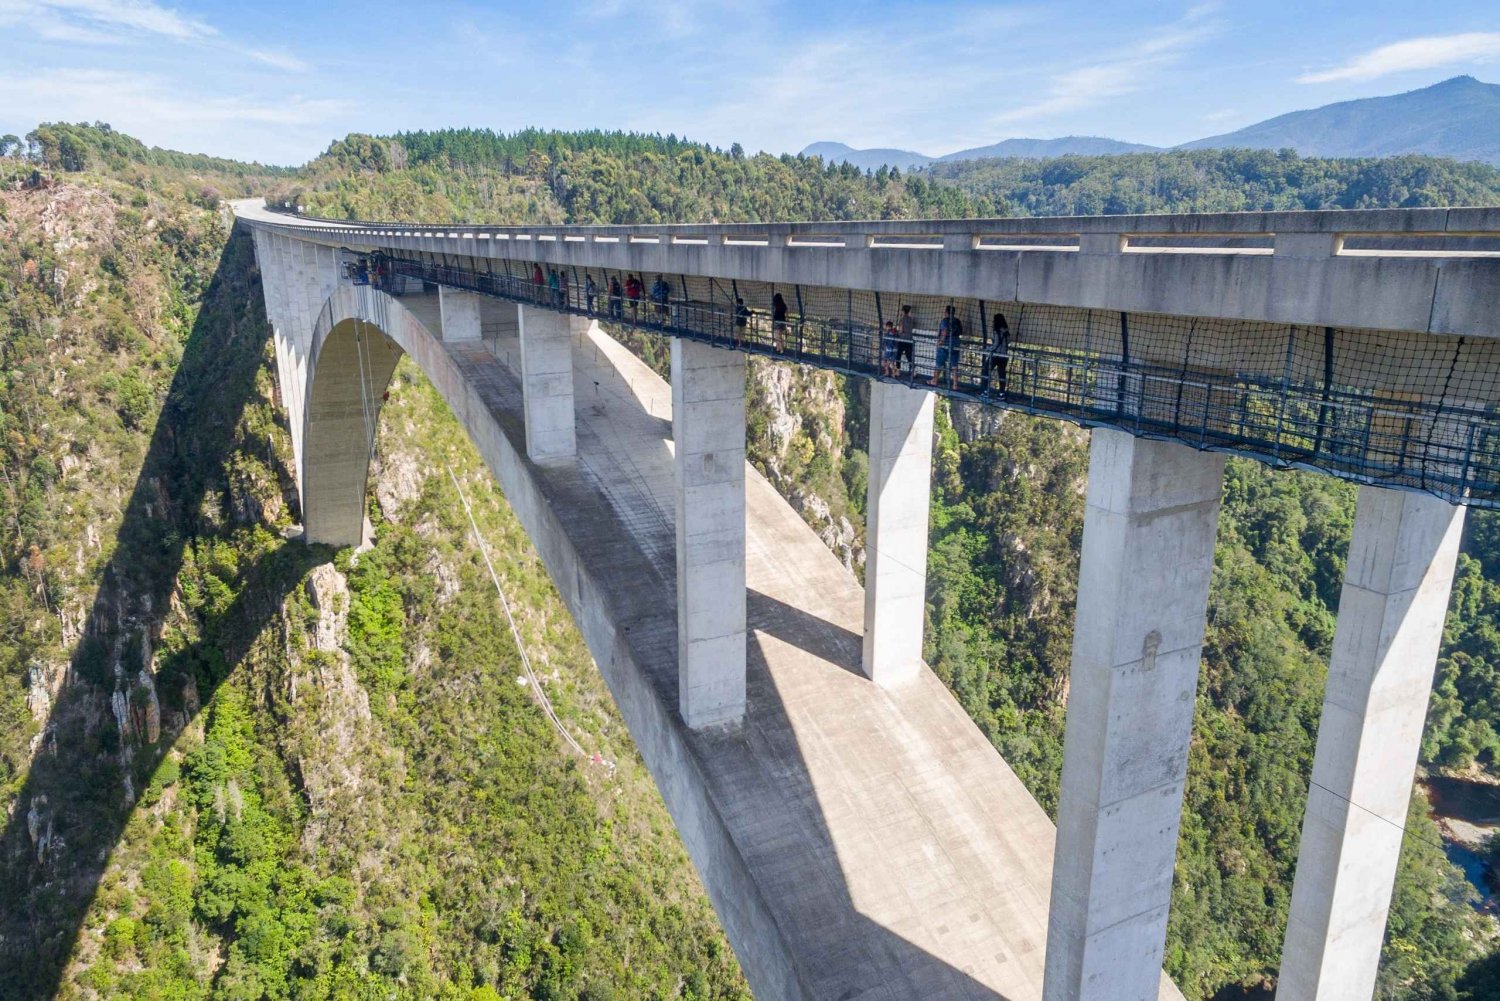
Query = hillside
x=333 y=795
x=866 y=159
x=1030 y=149
x=233 y=766
x=1458 y=118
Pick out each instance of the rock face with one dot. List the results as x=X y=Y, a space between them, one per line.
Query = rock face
x=331 y=742
x=971 y=421
x=798 y=440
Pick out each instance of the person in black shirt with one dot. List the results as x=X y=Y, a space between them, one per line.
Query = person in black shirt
x=996 y=358
x=741 y=320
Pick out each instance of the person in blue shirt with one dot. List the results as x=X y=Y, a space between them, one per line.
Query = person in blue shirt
x=950 y=333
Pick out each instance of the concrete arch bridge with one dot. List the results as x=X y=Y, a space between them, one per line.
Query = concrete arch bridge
x=858 y=836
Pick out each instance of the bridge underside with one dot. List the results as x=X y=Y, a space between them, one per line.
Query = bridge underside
x=858 y=842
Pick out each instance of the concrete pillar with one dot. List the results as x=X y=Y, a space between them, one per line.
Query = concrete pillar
x=708 y=429
x=1148 y=554
x=547 y=383
x=900 y=487
x=460 y=312
x=1395 y=596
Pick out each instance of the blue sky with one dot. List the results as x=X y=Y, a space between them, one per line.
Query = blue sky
x=277 y=81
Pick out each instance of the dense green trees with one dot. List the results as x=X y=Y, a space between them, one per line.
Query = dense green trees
x=434 y=842
x=1218 y=181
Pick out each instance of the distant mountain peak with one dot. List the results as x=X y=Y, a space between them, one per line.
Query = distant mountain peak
x=1458 y=117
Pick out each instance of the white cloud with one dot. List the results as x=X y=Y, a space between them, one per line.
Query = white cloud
x=118 y=22
x=1413 y=54
x=94 y=20
x=280 y=60
x=1132 y=70
x=161 y=112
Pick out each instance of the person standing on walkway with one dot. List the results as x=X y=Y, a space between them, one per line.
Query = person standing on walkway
x=950 y=330
x=537 y=281
x=906 y=343
x=996 y=357
x=660 y=293
x=778 y=322
x=616 y=299
x=741 y=320
x=889 y=366
x=633 y=290
x=590 y=292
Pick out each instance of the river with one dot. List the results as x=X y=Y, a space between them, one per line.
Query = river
x=1467 y=812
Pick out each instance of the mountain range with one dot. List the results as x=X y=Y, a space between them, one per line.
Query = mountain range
x=1458 y=118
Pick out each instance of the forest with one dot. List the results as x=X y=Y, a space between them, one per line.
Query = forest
x=243 y=867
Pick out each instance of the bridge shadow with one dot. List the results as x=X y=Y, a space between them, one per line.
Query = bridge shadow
x=827 y=640
x=73 y=804
x=867 y=902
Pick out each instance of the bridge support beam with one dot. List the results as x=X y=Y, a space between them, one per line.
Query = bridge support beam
x=1148 y=554
x=547 y=383
x=900 y=487
x=1395 y=596
x=708 y=431
x=460 y=315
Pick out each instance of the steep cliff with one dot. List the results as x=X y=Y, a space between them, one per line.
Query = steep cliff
x=238 y=766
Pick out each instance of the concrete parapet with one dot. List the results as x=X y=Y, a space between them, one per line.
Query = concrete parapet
x=900 y=491
x=1148 y=553
x=1396 y=588
x=708 y=431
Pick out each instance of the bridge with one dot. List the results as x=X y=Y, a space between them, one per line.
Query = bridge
x=857 y=835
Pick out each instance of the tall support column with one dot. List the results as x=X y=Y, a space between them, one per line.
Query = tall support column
x=1395 y=596
x=1148 y=555
x=547 y=383
x=708 y=431
x=900 y=489
x=460 y=313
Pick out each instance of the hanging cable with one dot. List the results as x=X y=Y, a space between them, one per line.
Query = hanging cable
x=534 y=683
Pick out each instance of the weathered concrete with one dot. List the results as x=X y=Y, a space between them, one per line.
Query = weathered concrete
x=352 y=366
x=547 y=378
x=1395 y=597
x=859 y=843
x=708 y=433
x=1426 y=292
x=1148 y=553
x=900 y=491
x=460 y=311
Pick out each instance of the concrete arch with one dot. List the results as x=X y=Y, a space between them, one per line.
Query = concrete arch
x=359 y=337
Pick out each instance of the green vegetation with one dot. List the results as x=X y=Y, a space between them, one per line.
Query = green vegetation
x=230 y=768
x=1233 y=180
x=386 y=814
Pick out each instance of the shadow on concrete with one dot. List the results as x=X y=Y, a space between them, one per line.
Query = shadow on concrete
x=73 y=806
x=758 y=778
x=828 y=640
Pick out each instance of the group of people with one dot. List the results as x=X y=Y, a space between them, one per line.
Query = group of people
x=897 y=337
x=898 y=344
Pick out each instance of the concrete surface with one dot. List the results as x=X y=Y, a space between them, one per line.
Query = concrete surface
x=460 y=314
x=858 y=842
x=899 y=495
x=708 y=434
x=1148 y=555
x=547 y=381
x=990 y=259
x=1395 y=597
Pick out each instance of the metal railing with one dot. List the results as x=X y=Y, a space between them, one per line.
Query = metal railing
x=1452 y=451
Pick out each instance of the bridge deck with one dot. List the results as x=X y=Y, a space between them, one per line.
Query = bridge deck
x=898 y=854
